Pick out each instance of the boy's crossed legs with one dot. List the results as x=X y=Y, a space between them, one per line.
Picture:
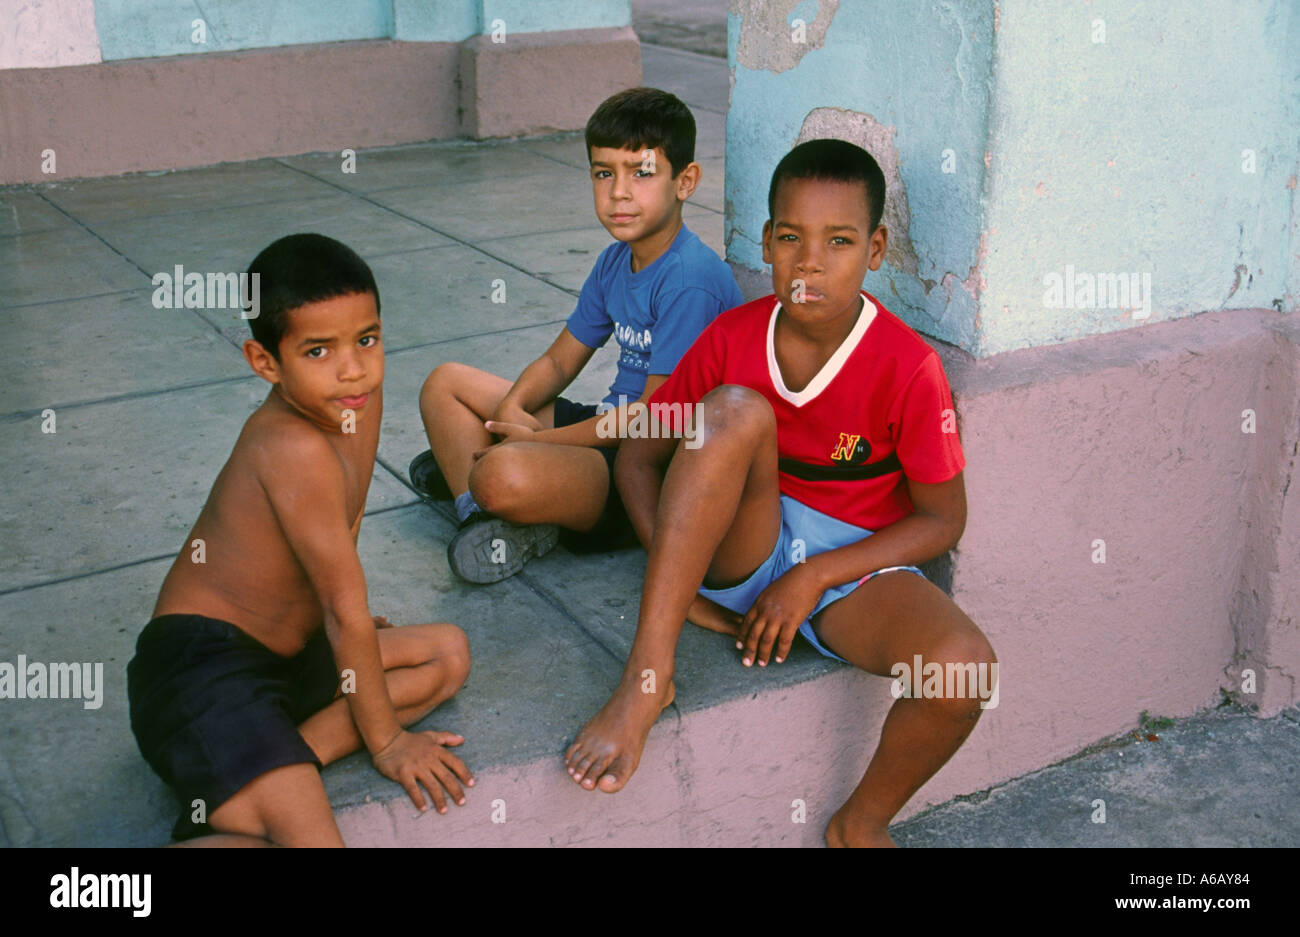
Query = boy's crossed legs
x=718 y=520
x=524 y=482
x=425 y=665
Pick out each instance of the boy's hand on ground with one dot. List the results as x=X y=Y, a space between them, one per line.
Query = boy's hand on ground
x=711 y=616
x=419 y=758
x=382 y=622
x=776 y=615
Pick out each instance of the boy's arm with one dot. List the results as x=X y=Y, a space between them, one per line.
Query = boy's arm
x=310 y=507
x=543 y=380
x=932 y=529
x=586 y=433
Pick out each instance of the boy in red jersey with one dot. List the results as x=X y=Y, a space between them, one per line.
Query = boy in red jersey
x=822 y=444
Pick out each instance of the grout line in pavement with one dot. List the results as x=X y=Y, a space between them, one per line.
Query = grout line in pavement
x=86 y=575
x=19 y=415
x=428 y=227
x=148 y=276
x=73 y=299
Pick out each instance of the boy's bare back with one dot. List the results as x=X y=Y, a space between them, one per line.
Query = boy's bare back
x=249 y=574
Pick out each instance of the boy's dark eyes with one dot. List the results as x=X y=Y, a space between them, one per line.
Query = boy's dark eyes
x=311 y=352
x=368 y=340
x=838 y=239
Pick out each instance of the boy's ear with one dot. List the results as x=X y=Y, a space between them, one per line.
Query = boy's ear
x=687 y=180
x=767 y=241
x=261 y=361
x=876 y=247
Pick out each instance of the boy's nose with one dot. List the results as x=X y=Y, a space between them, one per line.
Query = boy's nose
x=350 y=366
x=808 y=261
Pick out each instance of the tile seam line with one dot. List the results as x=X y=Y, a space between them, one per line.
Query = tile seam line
x=190 y=211
x=19 y=415
x=85 y=575
x=151 y=559
x=73 y=299
x=428 y=227
x=145 y=273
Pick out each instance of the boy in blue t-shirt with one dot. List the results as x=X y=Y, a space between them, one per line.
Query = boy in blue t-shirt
x=520 y=461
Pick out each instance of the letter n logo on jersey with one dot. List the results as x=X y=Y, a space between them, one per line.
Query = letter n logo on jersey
x=851 y=448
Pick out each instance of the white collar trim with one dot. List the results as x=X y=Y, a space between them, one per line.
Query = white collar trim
x=830 y=369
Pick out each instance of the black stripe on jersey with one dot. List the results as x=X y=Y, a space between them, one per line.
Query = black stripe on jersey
x=839 y=473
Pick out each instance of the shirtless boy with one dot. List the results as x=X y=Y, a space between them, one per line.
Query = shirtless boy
x=262 y=662
x=823 y=418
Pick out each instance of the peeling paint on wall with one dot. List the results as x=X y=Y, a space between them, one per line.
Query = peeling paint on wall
x=878 y=140
x=768 y=38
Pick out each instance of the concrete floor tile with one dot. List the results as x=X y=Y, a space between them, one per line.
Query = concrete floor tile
x=708 y=226
x=564 y=258
x=62 y=264
x=568 y=148
x=71 y=776
x=22 y=211
x=711 y=136
x=118 y=198
x=424 y=165
x=699 y=80
x=447 y=292
x=124 y=481
x=227 y=240
x=557 y=200
x=710 y=192
x=88 y=349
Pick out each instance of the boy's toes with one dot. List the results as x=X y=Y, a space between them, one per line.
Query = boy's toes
x=615 y=775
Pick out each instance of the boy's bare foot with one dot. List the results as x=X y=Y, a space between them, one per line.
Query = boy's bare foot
x=845 y=832
x=608 y=749
x=711 y=616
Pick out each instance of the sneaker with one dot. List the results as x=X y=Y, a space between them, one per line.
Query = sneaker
x=427 y=478
x=489 y=549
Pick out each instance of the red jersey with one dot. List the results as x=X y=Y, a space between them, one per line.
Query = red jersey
x=879 y=409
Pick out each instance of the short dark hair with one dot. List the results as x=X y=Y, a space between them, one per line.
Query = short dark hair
x=644 y=118
x=300 y=269
x=832 y=160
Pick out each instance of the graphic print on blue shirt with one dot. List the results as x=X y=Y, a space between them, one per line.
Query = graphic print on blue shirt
x=654 y=314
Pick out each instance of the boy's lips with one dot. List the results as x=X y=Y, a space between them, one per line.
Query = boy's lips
x=353 y=402
x=621 y=218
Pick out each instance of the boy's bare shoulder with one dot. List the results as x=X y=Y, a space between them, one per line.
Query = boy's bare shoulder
x=282 y=446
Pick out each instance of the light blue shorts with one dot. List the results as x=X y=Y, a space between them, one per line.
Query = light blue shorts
x=819 y=533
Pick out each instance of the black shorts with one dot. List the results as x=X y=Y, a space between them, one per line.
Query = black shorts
x=614 y=531
x=213 y=708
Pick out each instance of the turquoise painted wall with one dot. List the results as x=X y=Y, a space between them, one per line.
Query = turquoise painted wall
x=1111 y=148
x=146 y=28
x=1127 y=156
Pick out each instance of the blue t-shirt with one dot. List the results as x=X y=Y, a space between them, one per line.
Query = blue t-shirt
x=654 y=314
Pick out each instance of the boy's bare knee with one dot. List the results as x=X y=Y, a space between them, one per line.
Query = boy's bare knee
x=734 y=408
x=442 y=382
x=454 y=652
x=499 y=481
